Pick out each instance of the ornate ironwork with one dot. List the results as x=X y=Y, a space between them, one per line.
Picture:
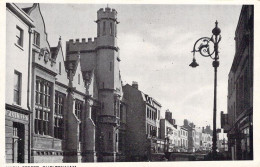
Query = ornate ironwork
x=204 y=46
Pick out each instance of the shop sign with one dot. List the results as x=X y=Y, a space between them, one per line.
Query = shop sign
x=17 y=115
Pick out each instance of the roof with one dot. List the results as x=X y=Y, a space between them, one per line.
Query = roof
x=20 y=13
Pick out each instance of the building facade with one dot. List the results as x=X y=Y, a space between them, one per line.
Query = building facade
x=62 y=110
x=101 y=56
x=183 y=139
x=238 y=122
x=17 y=102
x=143 y=120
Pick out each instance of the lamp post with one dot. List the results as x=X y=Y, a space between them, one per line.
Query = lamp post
x=203 y=46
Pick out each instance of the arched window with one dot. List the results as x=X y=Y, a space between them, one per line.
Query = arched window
x=111 y=29
x=104 y=28
x=78 y=78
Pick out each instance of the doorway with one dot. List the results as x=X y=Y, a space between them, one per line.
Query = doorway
x=18 y=142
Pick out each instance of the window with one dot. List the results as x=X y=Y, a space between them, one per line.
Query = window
x=147 y=110
x=102 y=106
x=104 y=28
x=111 y=29
x=42 y=106
x=78 y=78
x=78 y=108
x=110 y=66
x=17 y=88
x=109 y=135
x=115 y=30
x=98 y=30
x=36 y=38
x=121 y=112
x=60 y=68
x=58 y=115
x=19 y=36
x=78 y=113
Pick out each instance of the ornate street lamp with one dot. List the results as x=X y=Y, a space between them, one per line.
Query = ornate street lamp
x=203 y=46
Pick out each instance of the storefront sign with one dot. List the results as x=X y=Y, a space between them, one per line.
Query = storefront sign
x=17 y=115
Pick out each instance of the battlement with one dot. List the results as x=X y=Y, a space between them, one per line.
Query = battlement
x=77 y=45
x=107 y=13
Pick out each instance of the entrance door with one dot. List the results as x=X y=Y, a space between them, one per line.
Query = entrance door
x=18 y=142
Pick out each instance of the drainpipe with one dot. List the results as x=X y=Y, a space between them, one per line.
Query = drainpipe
x=28 y=95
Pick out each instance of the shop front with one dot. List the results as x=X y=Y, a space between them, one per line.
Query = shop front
x=17 y=135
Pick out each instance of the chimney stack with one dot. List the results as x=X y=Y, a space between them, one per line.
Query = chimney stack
x=135 y=84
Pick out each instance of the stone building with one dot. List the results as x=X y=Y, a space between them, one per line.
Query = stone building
x=143 y=123
x=199 y=139
x=183 y=139
x=206 y=141
x=101 y=56
x=191 y=135
x=169 y=133
x=17 y=88
x=238 y=122
x=58 y=111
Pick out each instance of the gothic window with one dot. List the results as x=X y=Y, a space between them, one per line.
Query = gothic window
x=60 y=68
x=78 y=113
x=111 y=29
x=121 y=112
x=109 y=135
x=42 y=106
x=98 y=30
x=78 y=78
x=78 y=108
x=110 y=66
x=115 y=30
x=104 y=28
x=58 y=115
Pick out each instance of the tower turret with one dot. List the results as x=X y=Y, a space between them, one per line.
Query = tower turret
x=109 y=82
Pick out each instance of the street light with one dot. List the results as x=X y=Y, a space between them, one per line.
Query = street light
x=203 y=46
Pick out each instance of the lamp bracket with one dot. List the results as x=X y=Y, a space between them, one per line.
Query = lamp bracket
x=205 y=46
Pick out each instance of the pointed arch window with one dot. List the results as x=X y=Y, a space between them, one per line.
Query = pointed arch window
x=79 y=79
x=111 y=29
x=104 y=28
x=60 y=68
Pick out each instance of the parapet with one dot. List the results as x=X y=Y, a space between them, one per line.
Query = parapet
x=78 y=45
x=106 y=13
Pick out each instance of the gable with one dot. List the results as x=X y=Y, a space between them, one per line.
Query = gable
x=36 y=15
x=60 y=65
x=78 y=81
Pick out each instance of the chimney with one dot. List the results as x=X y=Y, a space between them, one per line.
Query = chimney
x=135 y=84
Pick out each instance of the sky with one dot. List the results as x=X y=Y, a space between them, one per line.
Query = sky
x=155 y=44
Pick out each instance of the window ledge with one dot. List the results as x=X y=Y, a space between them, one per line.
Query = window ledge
x=37 y=46
x=17 y=105
x=20 y=47
x=43 y=136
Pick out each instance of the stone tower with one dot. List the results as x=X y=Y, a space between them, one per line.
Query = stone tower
x=101 y=55
x=109 y=81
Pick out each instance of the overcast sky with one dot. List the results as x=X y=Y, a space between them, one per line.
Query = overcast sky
x=155 y=44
